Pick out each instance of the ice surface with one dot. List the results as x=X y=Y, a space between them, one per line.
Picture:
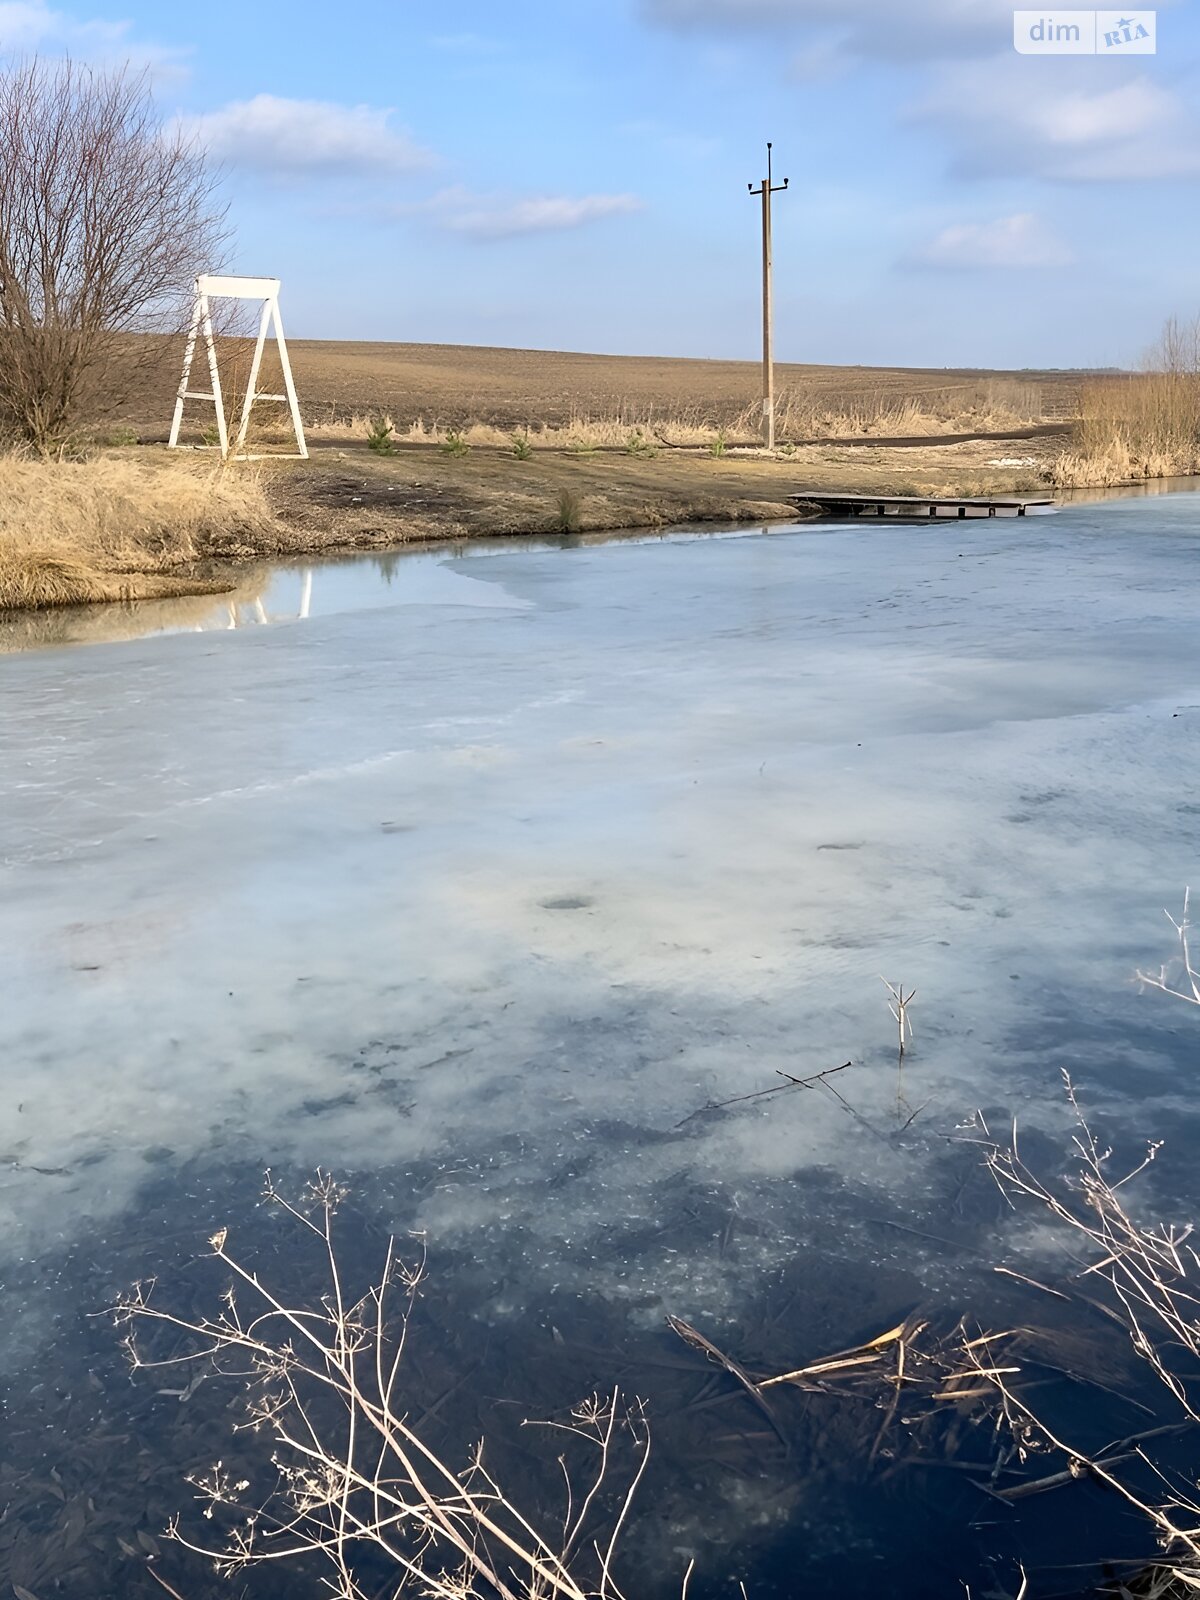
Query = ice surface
x=514 y=864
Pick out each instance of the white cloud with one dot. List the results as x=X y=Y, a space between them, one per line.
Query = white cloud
x=29 y=26
x=272 y=134
x=504 y=217
x=819 y=62
x=25 y=27
x=1005 y=121
x=920 y=29
x=467 y=44
x=1070 y=120
x=1017 y=241
x=691 y=146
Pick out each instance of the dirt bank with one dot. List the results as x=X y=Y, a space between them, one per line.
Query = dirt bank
x=140 y=522
x=353 y=499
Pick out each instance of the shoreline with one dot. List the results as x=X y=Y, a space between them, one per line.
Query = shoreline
x=146 y=523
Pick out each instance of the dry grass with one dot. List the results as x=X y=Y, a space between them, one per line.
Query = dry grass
x=1144 y=1277
x=140 y=522
x=486 y=442
x=597 y=399
x=855 y=411
x=1129 y=429
x=440 y=387
x=353 y=498
x=454 y=386
x=803 y=412
x=351 y=1472
x=1145 y=425
x=347 y=1475
x=119 y=527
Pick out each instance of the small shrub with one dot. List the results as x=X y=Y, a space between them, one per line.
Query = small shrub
x=116 y=438
x=455 y=445
x=717 y=448
x=521 y=447
x=637 y=444
x=787 y=450
x=379 y=436
x=211 y=436
x=567 y=512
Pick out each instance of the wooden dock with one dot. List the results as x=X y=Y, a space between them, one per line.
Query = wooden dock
x=918 y=508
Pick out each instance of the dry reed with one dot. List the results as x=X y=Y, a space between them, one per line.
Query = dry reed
x=1178 y=977
x=985 y=406
x=348 y=1477
x=1151 y=1277
x=1131 y=428
x=117 y=526
x=351 y=1479
x=1140 y=425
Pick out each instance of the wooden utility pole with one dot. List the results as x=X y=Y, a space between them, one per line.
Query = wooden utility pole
x=767 y=189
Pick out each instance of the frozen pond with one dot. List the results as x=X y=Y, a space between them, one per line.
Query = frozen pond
x=479 y=874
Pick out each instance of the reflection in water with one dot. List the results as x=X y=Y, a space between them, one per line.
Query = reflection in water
x=484 y=907
x=265 y=597
x=1149 y=488
x=115 y=622
x=282 y=593
x=414 y=576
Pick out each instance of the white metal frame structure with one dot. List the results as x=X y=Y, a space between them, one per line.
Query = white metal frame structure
x=211 y=286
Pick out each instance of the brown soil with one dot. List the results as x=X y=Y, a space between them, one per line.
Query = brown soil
x=457 y=384
x=350 y=498
x=451 y=386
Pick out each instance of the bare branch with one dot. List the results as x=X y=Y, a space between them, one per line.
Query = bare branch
x=105 y=219
x=357 y=1474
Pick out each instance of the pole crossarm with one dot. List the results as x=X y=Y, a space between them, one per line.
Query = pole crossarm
x=766 y=189
x=214 y=285
x=766 y=183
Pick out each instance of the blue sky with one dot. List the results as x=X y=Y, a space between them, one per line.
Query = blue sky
x=571 y=174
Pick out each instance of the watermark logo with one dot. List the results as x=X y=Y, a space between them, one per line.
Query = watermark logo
x=1128 y=34
x=1085 y=33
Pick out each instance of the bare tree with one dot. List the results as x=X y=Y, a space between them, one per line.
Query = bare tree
x=105 y=219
